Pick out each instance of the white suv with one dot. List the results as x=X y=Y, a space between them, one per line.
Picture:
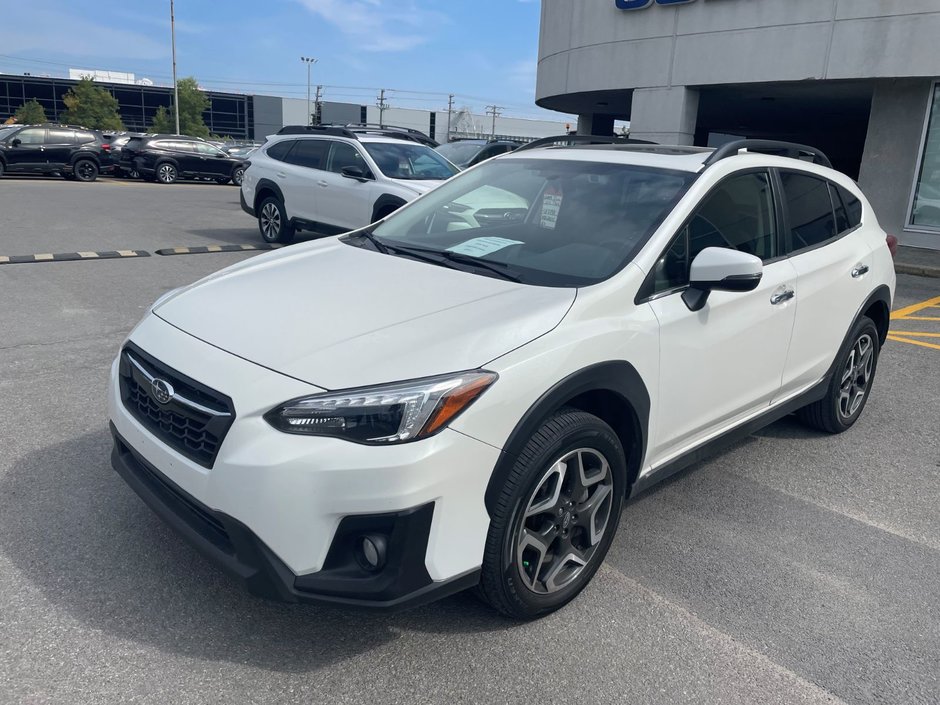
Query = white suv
x=330 y=180
x=479 y=396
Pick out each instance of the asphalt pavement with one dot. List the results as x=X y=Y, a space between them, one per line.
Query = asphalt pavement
x=793 y=568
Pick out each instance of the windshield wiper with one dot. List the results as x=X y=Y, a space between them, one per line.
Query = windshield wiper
x=379 y=245
x=445 y=257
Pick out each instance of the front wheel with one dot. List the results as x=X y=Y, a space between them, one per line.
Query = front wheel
x=167 y=173
x=556 y=516
x=273 y=221
x=85 y=170
x=2 y=168
x=851 y=382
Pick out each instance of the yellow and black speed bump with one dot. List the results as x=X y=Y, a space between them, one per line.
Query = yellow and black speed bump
x=72 y=256
x=215 y=248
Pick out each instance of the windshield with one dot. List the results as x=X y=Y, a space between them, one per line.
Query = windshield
x=409 y=161
x=543 y=222
x=460 y=153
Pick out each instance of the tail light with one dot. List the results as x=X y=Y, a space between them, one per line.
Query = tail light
x=893 y=245
x=106 y=147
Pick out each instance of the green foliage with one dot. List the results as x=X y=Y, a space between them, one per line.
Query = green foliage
x=91 y=106
x=163 y=122
x=30 y=113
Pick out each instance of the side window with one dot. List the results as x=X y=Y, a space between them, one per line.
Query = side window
x=83 y=136
x=60 y=136
x=738 y=214
x=35 y=136
x=342 y=155
x=279 y=150
x=207 y=149
x=812 y=219
x=309 y=153
x=853 y=207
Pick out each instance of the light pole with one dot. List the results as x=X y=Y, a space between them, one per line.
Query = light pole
x=176 y=93
x=308 y=60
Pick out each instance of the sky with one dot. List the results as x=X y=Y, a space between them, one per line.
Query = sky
x=483 y=51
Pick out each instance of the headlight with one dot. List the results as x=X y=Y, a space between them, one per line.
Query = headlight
x=392 y=413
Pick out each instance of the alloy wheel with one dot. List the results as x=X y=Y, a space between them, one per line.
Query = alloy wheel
x=167 y=174
x=270 y=221
x=564 y=521
x=856 y=376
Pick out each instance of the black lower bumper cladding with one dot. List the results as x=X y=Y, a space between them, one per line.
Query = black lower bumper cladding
x=402 y=582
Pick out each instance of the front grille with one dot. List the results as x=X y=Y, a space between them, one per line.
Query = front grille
x=193 y=422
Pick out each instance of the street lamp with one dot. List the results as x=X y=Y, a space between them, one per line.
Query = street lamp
x=308 y=60
x=176 y=93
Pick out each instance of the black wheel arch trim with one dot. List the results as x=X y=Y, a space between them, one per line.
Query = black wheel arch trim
x=267 y=185
x=615 y=376
x=880 y=295
x=386 y=200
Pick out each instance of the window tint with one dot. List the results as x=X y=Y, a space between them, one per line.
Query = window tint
x=84 y=136
x=207 y=149
x=309 y=153
x=812 y=219
x=59 y=136
x=35 y=136
x=738 y=214
x=343 y=154
x=853 y=207
x=279 y=150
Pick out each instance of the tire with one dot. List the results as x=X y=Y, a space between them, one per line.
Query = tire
x=166 y=173
x=85 y=170
x=273 y=222
x=851 y=383
x=222 y=181
x=3 y=168
x=238 y=173
x=536 y=520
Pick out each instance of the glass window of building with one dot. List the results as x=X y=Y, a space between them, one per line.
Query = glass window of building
x=926 y=210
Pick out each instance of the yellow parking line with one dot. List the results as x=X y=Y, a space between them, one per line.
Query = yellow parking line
x=913 y=342
x=916 y=334
x=914 y=308
x=917 y=318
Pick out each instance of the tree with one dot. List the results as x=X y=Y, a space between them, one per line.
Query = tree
x=91 y=106
x=30 y=113
x=193 y=103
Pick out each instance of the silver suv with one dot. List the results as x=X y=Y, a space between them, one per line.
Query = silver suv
x=330 y=179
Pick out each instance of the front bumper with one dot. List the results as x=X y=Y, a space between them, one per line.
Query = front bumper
x=404 y=582
x=287 y=503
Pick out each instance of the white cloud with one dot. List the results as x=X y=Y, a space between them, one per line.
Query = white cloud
x=380 y=25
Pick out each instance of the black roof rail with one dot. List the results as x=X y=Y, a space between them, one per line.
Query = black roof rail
x=573 y=140
x=406 y=133
x=788 y=149
x=330 y=130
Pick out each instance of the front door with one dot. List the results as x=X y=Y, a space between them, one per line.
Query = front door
x=345 y=203
x=26 y=149
x=724 y=362
x=212 y=161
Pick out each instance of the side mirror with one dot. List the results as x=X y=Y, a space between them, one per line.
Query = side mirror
x=721 y=269
x=16 y=142
x=354 y=172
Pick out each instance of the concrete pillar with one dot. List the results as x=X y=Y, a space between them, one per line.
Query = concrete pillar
x=595 y=124
x=664 y=115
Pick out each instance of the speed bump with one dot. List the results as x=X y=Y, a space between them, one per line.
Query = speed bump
x=215 y=248
x=72 y=256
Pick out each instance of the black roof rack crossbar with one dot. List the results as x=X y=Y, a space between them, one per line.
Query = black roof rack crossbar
x=572 y=140
x=786 y=149
x=317 y=130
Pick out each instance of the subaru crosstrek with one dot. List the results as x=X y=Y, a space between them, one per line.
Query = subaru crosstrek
x=467 y=401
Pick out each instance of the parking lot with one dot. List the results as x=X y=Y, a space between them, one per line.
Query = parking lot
x=795 y=567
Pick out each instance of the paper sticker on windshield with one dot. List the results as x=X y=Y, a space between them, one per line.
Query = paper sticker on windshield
x=482 y=246
x=551 y=204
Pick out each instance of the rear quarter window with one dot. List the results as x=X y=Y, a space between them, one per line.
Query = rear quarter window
x=279 y=150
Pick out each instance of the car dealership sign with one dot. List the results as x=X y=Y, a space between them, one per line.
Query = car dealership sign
x=643 y=4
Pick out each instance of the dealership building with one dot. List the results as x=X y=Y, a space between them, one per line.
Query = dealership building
x=855 y=78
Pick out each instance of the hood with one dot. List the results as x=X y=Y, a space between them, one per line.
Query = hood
x=419 y=186
x=338 y=316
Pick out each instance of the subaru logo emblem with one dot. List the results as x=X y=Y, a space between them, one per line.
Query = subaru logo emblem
x=162 y=390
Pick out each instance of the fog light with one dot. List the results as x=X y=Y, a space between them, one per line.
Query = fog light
x=372 y=552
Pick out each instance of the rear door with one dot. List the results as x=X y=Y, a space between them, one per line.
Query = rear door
x=828 y=246
x=298 y=175
x=59 y=145
x=184 y=152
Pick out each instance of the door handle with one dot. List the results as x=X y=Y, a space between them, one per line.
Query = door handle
x=322 y=183
x=782 y=296
x=281 y=175
x=859 y=270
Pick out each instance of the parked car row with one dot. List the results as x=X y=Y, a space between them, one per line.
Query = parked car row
x=80 y=154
